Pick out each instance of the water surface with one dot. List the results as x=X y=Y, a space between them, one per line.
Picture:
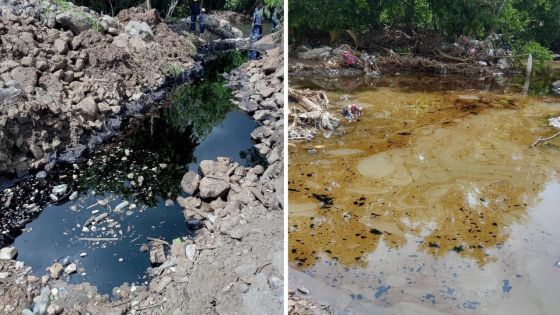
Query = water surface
x=433 y=201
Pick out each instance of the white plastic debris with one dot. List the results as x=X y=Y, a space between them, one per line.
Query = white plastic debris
x=59 y=189
x=554 y=122
x=121 y=206
x=74 y=195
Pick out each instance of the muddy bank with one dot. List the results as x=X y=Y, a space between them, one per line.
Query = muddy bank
x=69 y=76
x=226 y=267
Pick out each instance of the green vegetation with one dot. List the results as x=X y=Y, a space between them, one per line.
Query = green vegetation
x=181 y=10
x=524 y=22
x=172 y=69
x=65 y=6
x=202 y=106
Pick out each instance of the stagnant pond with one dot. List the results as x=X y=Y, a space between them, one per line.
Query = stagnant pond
x=135 y=180
x=433 y=202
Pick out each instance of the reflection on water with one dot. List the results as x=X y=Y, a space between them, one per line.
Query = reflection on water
x=539 y=84
x=433 y=198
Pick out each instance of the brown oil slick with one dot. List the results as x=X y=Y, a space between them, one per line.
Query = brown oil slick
x=428 y=178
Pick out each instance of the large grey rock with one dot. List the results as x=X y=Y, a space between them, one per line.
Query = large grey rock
x=108 y=22
x=222 y=28
x=88 y=106
x=140 y=29
x=56 y=270
x=27 y=78
x=190 y=182
x=261 y=132
x=75 y=21
x=212 y=188
x=9 y=95
x=209 y=167
x=61 y=46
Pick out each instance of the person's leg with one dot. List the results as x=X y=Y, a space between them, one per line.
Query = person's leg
x=193 y=22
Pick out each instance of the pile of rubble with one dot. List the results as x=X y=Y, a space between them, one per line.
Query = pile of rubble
x=226 y=268
x=299 y=305
x=258 y=89
x=69 y=75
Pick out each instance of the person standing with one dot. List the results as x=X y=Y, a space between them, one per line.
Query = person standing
x=195 y=11
x=275 y=21
x=202 y=21
x=257 y=23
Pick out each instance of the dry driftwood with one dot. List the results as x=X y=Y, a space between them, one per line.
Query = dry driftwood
x=308 y=112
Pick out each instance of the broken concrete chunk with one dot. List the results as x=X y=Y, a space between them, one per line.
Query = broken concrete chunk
x=8 y=252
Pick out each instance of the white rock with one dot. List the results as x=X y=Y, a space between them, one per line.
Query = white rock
x=190 y=251
x=8 y=252
x=70 y=269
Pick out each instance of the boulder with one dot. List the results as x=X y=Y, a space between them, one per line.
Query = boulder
x=8 y=252
x=75 y=21
x=190 y=182
x=27 y=78
x=9 y=95
x=61 y=46
x=140 y=29
x=70 y=269
x=222 y=28
x=212 y=188
x=108 y=22
x=56 y=270
x=209 y=167
x=88 y=106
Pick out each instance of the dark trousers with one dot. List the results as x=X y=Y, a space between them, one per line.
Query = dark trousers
x=202 y=28
x=193 y=22
x=257 y=31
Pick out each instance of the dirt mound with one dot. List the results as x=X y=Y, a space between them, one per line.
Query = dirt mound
x=139 y=14
x=58 y=90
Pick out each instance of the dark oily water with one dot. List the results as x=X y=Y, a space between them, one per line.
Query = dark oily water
x=127 y=188
x=433 y=202
x=537 y=85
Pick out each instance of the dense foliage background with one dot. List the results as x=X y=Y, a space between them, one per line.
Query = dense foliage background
x=525 y=23
x=182 y=8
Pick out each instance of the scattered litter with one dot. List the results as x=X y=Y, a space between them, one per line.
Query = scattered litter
x=59 y=189
x=303 y=290
x=74 y=195
x=121 y=206
x=554 y=122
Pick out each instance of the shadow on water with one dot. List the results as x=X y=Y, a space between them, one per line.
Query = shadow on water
x=134 y=180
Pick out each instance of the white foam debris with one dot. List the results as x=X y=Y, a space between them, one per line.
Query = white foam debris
x=554 y=122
